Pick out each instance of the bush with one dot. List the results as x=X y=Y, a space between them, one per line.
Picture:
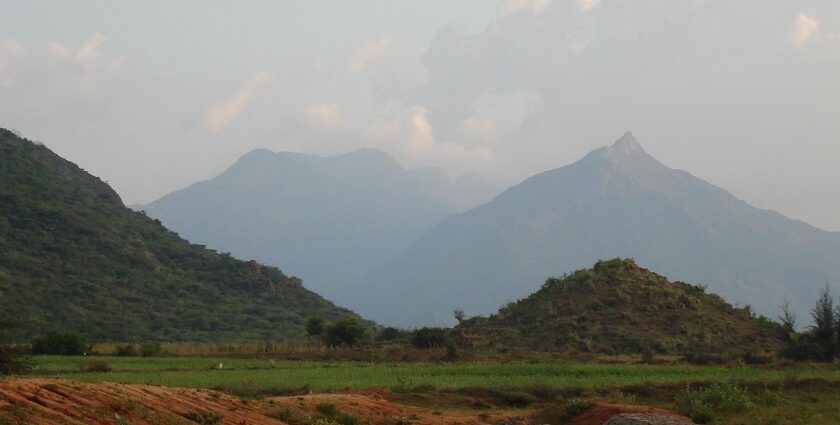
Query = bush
x=291 y=415
x=126 y=350
x=98 y=366
x=430 y=337
x=345 y=332
x=207 y=417
x=517 y=399
x=64 y=344
x=314 y=326
x=388 y=334
x=563 y=413
x=701 y=405
x=151 y=349
x=12 y=359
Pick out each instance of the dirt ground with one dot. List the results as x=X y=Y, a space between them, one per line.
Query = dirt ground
x=60 y=402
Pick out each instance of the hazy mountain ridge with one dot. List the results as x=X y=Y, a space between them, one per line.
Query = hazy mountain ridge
x=615 y=202
x=328 y=220
x=73 y=258
x=617 y=307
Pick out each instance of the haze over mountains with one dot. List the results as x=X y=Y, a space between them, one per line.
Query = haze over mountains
x=328 y=220
x=617 y=201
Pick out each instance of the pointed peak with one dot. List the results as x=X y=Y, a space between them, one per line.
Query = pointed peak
x=627 y=144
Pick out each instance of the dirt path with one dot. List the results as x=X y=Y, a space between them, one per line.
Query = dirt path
x=63 y=402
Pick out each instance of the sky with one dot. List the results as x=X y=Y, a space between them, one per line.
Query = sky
x=153 y=96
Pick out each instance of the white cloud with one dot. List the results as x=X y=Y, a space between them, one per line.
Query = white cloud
x=89 y=51
x=371 y=51
x=588 y=5
x=805 y=29
x=423 y=144
x=326 y=116
x=58 y=50
x=221 y=114
x=13 y=47
x=536 y=7
x=422 y=135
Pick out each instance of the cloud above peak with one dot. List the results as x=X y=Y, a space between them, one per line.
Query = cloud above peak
x=805 y=29
x=536 y=7
x=220 y=114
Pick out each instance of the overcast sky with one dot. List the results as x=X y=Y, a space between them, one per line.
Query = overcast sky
x=153 y=96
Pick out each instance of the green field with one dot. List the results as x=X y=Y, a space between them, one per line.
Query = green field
x=268 y=376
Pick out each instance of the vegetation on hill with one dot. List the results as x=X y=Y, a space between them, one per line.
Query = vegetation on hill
x=618 y=307
x=74 y=259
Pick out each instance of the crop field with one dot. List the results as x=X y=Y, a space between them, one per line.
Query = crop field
x=258 y=376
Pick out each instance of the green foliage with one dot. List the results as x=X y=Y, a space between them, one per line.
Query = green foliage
x=563 y=412
x=74 y=259
x=151 y=349
x=430 y=337
x=617 y=307
x=388 y=334
x=345 y=332
x=65 y=344
x=125 y=350
x=98 y=366
x=12 y=359
x=315 y=326
x=332 y=414
x=291 y=415
x=206 y=417
x=702 y=405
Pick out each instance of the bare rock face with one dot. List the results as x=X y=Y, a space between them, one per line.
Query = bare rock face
x=645 y=419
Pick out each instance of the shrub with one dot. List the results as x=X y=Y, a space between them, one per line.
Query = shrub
x=64 y=344
x=315 y=326
x=331 y=413
x=430 y=337
x=126 y=350
x=388 y=334
x=207 y=417
x=345 y=332
x=151 y=349
x=565 y=412
x=517 y=399
x=291 y=415
x=98 y=366
x=12 y=359
x=701 y=405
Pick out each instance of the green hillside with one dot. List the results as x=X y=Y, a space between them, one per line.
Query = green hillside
x=74 y=258
x=617 y=307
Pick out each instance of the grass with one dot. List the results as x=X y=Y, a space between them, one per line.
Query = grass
x=266 y=376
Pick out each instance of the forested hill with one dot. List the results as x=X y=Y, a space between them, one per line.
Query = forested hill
x=74 y=258
x=617 y=307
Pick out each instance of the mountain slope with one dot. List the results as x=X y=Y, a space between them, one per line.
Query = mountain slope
x=617 y=307
x=73 y=258
x=617 y=201
x=326 y=220
x=464 y=193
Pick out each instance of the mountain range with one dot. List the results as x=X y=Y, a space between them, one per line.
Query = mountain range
x=328 y=220
x=617 y=201
x=73 y=258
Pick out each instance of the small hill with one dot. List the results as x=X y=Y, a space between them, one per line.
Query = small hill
x=617 y=307
x=74 y=258
x=327 y=220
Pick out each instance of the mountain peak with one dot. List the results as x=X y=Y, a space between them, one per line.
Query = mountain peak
x=627 y=144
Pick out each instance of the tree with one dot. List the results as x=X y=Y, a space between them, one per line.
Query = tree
x=345 y=332
x=824 y=329
x=459 y=315
x=430 y=337
x=12 y=359
x=65 y=344
x=315 y=326
x=788 y=320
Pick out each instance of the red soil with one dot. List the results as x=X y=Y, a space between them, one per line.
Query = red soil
x=55 y=402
